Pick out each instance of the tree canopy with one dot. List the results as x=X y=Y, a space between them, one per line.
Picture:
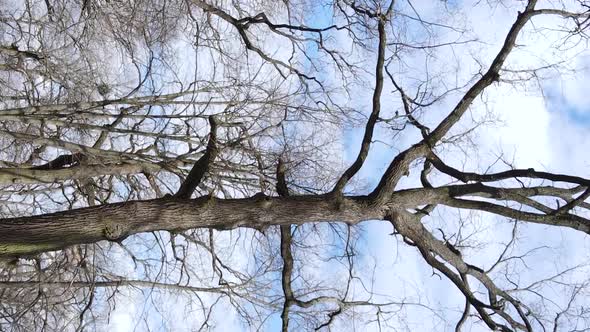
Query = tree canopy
x=296 y=165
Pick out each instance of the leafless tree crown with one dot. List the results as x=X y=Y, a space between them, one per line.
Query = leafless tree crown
x=163 y=159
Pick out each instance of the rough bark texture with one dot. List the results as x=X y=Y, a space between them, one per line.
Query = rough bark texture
x=31 y=175
x=30 y=235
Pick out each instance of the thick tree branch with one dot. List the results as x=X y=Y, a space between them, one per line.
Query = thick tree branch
x=467 y=307
x=114 y=222
x=409 y=225
x=202 y=165
x=33 y=175
x=281 y=188
x=64 y=160
x=109 y=283
x=286 y=274
x=29 y=235
x=68 y=109
x=286 y=255
x=514 y=173
x=400 y=164
x=573 y=203
x=569 y=220
x=492 y=75
x=448 y=195
x=370 y=127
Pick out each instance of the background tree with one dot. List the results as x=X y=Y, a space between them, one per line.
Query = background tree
x=194 y=154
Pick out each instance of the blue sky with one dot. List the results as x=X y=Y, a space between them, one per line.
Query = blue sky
x=528 y=125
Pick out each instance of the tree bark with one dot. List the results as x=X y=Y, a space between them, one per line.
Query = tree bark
x=114 y=222
x=31 y=175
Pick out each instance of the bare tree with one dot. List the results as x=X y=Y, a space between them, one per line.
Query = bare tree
x=189 y=152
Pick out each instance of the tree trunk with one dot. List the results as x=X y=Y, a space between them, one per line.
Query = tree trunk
x=114 y=222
